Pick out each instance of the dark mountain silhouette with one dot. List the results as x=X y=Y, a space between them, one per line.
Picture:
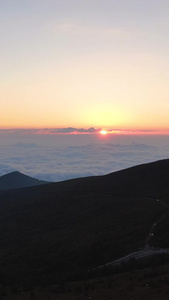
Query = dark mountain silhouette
x=16 y=180
x=60 y=230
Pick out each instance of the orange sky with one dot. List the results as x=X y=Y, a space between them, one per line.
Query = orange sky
x=101 y=64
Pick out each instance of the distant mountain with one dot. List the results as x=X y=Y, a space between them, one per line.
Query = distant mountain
x=57 y=232
x=17 y=180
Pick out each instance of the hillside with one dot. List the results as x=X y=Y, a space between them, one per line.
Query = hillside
x=16 y=180
x=60 y=230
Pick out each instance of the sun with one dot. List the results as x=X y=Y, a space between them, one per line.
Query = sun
x=103 y=132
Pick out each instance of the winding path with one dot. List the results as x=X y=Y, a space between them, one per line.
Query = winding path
x=136 y=255
x=147 y=250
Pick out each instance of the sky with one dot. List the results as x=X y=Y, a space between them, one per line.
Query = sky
x=71 y=69
x=82 y=65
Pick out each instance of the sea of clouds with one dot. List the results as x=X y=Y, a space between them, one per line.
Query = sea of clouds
x=60 y=157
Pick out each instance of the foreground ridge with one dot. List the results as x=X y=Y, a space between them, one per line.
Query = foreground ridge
x=62 y=230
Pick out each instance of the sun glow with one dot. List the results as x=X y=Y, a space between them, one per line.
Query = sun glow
x=103 y=132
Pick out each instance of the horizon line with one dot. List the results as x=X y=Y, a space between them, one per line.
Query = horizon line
x=82 y=131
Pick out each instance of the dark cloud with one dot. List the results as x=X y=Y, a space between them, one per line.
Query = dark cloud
x=90 y=130
x=65 y=130
x=69 y=130
x=61 y=130
x=73 y=130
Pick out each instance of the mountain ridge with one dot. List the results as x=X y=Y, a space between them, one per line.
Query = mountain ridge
x=17 y=180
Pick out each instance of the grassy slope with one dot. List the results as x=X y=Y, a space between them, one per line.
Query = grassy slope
x=62 y=229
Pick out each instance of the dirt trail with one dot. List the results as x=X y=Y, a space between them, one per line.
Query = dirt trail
x=146 y=250
x=152 y=229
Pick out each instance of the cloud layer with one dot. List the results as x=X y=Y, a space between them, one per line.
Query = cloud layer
x=57 y=158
